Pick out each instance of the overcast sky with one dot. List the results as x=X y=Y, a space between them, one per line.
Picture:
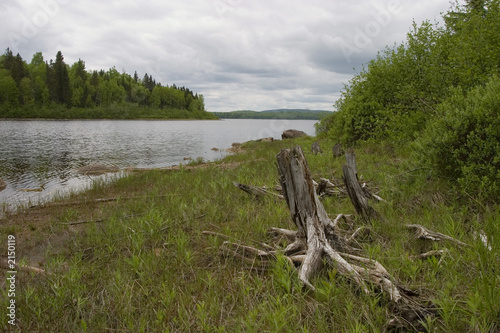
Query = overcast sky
x=253 y=55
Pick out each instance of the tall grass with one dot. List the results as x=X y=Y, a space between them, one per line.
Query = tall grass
x=147 y=267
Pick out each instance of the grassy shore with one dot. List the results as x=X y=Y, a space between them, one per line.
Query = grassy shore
x=139 y=262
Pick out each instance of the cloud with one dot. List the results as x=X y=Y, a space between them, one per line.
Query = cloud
x=238 y=54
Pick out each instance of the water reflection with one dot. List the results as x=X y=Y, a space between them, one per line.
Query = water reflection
x=46 y=154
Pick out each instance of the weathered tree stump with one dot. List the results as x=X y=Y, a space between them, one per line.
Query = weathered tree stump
x=316 y=149
x=337 y=150
x=358 y=195
x=316 y=233
x=319 y=240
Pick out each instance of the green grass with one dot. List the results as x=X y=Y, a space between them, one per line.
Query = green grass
x=147 y=267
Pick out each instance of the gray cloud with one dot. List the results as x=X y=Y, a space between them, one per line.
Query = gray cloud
x=238 y=54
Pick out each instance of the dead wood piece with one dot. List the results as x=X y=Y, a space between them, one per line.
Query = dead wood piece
x=363 y=232
x=424 y=233
x=369 y=194
x=316 y=149
x=257 y=192
x=290 y=234
x=308 y=214
x=346 y=217
x=433 y=253
x=213 y=233
x=82 y=222
x=337 y=150
x=4 y=264
x=258 y=259
x=376 y=274
x=326 y=187
x=356 y=193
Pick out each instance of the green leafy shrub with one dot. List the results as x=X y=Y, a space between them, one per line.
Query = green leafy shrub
x=463 y=142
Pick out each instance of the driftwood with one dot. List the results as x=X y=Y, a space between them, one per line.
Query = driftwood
x=423 y=233
x=337 y=150
x=316 y=149
x=326 y=187
x=4 y=264
x=358 y=195
x=257 y=192
x=319 y=240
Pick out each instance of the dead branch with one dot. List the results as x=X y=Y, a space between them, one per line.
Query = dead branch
x=82 y=222
x=4 y=264
x=257 y=192
x=363 y=231
x=290 y=234
x=423 y=233
x=433 y=253
x=346 y=217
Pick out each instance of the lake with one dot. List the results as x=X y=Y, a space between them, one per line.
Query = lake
x=45 y=154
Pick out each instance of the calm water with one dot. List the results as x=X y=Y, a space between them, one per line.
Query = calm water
x=35 y=154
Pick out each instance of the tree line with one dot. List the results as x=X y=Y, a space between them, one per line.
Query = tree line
x=55 y=89
x=438 y=93
x=274 y=114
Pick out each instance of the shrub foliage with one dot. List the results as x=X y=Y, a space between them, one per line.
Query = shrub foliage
x=439 y=89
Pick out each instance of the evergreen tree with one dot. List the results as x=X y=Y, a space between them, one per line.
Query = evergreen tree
x=58 y=81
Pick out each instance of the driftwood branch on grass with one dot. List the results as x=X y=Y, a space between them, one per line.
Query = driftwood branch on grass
x=4 y=264
x=257 y=192
x=424 y=233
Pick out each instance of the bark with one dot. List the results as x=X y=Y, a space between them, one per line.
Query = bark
x=356 y=193
x=257 y=192
x=337 y=150
x=315 y=230
x=424 y=233
x=316 y=149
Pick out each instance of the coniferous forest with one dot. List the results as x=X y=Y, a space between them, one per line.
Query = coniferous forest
x=54 y=89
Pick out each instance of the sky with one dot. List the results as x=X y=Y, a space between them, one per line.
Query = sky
x=241 y=55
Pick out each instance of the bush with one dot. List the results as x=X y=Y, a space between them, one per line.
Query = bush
x=463 y=142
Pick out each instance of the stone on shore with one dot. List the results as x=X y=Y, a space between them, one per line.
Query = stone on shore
x=292 y=134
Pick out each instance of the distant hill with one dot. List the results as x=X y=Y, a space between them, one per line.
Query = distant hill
x=274 y=114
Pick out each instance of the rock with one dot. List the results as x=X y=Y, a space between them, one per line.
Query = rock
x=292 y=134
x=187 y=158
x=215 y=149
x=235 y=148
x=97 y=169
x=3 y=185
x=269 y=139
